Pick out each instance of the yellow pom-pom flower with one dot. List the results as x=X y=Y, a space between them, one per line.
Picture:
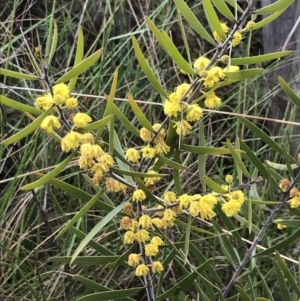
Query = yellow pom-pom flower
x=134 y=259
x=157 y=267
x=157 y=222
x=145 y=221
x=231 y=208
x=44 y=102
x=129 y=237
x=170 y=197
x=229 y=179
x=151 y=250
x=194 y=113
x=183 y=128
x=236 y=39
x=132 y=155
x=156 y=240
x=71 y=103
x=212 y=100
x=49 y=123
x=172 y=109
x=71 y=140
x=174 y=97
x=125 y=223
x=201 y=63
x=250 y=25
x=148 y=152
x=182 y=89
x=185 y=200
x=81 y=119
x=151 y=180
x=162 y=148
x=61 y=89
x=145 y=134
x=142 y=235
x=141 y=270
x=138 y=195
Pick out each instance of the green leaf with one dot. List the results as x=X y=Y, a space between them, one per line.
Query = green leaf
x=266 y=21
x=175 y=54
x=283 y=244
x=281 y=166
x=243 y=74
x=284 y=291
x=96 y=229
x=234 y=4
x=274 y=7
x=185 y=282
x=246 y=223
x=214 y=186
x=81 y=213
x=193 y=21
x=96 y=286
x=18 y=74
x=254 y=159
x=147 y=70
x=213 y=19
x=81 y=67
x=139 y=114
x=194 y=228
x=111 y=295
x=137 y=174
x=85 y=260
x=45 y=179
x=259 y=58
x=129 y=126
x=258 y=132
x=223 y=9
x=202 y=150
x=19 y=106
x=265 y=285
x=171 y=163
x=100 y=124
x=290 y=279
x=78 y=57
x=111 y=96
x=27 y=130
x=237 y=159
x=289 y=92
x=53 y=43
x=288 y=222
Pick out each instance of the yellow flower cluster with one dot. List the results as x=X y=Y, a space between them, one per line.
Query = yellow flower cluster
x=294 y=195
x=159 y=145
x=61 y=97
x=225 y=29
x=235 y=200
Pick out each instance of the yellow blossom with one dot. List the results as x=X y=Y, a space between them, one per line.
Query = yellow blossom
x=61 y=89
x=156 y=240
x=71 y=140
x=194 y=113
x=172 y=109
x=81 y=119
x=129 y=237
x=132 y=155
x=229 y=179
x=224 y=58
x=157 y=267
x=86 y=162
x=125 y=223
x=209 y=80
x=174 y=98
x=49 y=123
x=168 y=218
x=45 y=102
x=225 y=29
x=160 y=212
x=157 y=127
x=195 y=208
x=98 y=151
x=162 y=148
x=58 y=100
x=138 y=195
x=238 y=195
x=184 y=201
x=134 y=259
x=151 y=180
x=71 y=103
x=86 y=149
x=151 y=250
x=112 y=185
x=141 y=270
x=295 y=202
x=170 y=197
x=88 y=138
x=157 y=222
x=145 y=221
x=148 y=152
x=212 y=100
x=250 y=25
x=183 y=128
x=142 y=235
x=134 y=225
x=231 y=208
x=106 y=160
x=284 y=184
x=182 y=89
x=201 y=63
x=145 y=135
x=236 y=39
x=280 y=226
x=217 y=73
